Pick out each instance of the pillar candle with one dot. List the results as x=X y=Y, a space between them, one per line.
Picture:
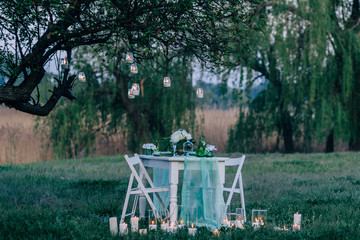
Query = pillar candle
x=164 y=226
x=143 y=231
x=134 y=224
x=113 y=225
x=297 y=218
x=192 y=230
x=123 y=228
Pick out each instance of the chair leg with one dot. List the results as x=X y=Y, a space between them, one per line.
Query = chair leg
x=136 y=200
x=242 y=195
x=127 y=198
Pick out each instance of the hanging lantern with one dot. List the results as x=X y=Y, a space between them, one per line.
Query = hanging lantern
x=131 y=94
x=129 y=58
x=133 y=68
x=82 y=77
x=199 y=93
x=64 y=63
x=167 y=82
x=136 y=89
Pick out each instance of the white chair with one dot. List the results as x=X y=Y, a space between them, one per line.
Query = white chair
x=238 y=179
x=140 y=189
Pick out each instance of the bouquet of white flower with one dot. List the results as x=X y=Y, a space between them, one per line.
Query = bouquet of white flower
x=210 y=148
x=180 y=135
x=150 y=146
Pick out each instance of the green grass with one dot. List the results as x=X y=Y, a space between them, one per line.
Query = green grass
x=73 y=199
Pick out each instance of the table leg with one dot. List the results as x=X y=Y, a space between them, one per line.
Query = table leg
x=142 y=199
x=220 y=196
x=174 y=180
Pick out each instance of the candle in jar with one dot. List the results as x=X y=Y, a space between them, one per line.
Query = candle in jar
x=134 y=224
x=181 y=224
x=171 y=228
x=123 y=228
x=192 y=230
x=164 y=226
x=152 y=226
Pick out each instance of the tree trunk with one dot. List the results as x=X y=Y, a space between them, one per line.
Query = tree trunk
x=287 y=133
x=354 y=145
x=330 y=142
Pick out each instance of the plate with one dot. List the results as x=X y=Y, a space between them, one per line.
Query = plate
x=161 y=153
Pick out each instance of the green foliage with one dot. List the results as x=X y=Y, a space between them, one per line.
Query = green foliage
x=70 y=199
x=103 y=105
x=307 y=55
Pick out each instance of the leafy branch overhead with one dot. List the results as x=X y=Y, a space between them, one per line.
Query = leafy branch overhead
x=34 y=32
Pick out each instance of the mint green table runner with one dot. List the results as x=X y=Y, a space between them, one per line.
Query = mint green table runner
x=202 y=194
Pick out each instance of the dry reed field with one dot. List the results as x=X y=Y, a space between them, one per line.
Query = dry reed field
x=214 y=125
x=21 y=143
x=18 y=140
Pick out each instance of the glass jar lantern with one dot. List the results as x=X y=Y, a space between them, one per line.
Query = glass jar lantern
x=136 y=89
x=129 y=58
x=64 y=63
x=133 y=68
x=153 y=220
x=258 y=218
x=167 y=82
x=199 y=93
x=82 y=77
x=131 y=94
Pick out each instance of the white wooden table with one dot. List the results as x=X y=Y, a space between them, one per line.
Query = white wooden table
x=174 y=164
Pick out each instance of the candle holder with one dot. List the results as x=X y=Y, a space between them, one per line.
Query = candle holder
x=258 y=218
x=64 y=63
x=136 y=89
x=133 y=68
x=131 y=94
x=167 y=82
x=240 y=218
x=129 y=58
x=153 y=216
x=82 y=77
x=199 y=93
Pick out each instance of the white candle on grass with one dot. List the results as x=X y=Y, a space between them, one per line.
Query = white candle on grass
x=192 y=230
x=143 y=231
x=123 y=228
x=113 y=226
x=297 y=221
x=164 y=226
x=134 y=224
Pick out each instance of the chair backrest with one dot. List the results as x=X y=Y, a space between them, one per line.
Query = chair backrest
x=235 y=161
x=132 y=161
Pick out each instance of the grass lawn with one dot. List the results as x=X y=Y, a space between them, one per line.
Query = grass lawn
x=73 y=199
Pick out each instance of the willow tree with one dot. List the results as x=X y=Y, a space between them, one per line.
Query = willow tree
x=308 y=57
x=33 y=32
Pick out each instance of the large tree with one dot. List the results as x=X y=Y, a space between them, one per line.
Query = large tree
x=308 y=55
x=33 y=32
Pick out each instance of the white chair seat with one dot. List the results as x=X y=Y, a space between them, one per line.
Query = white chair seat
x=236 y=190
x=150 y=190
